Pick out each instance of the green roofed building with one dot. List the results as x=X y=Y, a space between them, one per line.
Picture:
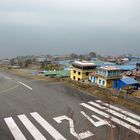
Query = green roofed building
x=62 y=73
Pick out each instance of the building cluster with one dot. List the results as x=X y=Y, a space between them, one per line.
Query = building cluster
x=113 y=76
x=107 y=72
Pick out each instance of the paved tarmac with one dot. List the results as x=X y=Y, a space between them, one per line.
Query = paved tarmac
x=37 y=110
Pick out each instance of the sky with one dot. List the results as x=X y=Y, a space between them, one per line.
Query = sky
x=108 y=27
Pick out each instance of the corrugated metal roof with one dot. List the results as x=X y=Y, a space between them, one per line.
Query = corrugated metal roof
x=109 y=68
x=102 y=63
x=84 y=63
x=129 y=81
x=126 y=67
x=63 y=73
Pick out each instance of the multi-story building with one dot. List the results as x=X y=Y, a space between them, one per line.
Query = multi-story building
x=81 y=70
x=106 y=75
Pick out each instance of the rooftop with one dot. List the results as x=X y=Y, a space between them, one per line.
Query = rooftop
x=126 y=67
x=84 y=63
x=129 y=81
x=62 y=73
x=109 y=68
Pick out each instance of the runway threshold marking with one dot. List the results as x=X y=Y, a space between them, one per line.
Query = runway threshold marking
x=111 y=118
x=119 y=110
x=31 y=128
x=17 y=134
x=108 y=116
x=26 y=85
x=120 y=115
x=50 y=129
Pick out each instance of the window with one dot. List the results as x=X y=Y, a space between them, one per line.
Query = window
x=78 y=79
x=74 y=71
x=99 y=81
x=87 y=73
x=94 y=79
x=74 y=77
x=79 y=73
x=116 y=84
x=103 y=82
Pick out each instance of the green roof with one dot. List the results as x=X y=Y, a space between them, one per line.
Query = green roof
x=62 y=73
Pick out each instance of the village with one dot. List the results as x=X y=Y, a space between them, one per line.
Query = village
x=120 y=73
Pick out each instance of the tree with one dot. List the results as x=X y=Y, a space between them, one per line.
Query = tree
x=27 y=62
x=12 y=61
x=81 y=57
x=73 y=56
x=92 y=54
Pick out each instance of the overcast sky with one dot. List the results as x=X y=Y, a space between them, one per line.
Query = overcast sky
x=65 y=26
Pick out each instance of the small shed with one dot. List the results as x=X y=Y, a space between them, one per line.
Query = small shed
x=120 y=83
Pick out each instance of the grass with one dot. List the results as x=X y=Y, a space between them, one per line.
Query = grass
x=137 y=94
x=106 y=95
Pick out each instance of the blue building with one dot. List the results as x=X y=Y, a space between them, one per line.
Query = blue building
x=120 y=83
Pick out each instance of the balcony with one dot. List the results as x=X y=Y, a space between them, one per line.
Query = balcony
x=110 y=74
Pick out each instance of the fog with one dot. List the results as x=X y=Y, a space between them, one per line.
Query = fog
x=60 y=26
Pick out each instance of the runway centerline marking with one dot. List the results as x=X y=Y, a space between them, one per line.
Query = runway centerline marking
x=26 y=85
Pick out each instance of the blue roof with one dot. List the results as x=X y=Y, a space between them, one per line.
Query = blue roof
x=125 y=67
x=102 y=63
x=129 y=81
x=132 y=62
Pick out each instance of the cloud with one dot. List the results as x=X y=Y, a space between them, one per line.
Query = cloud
x=63 y=21
x=66 y=12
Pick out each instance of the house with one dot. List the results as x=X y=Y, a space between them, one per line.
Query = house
x=81 y=70
x=105 y=76
x=121 y=83
x=93 y=77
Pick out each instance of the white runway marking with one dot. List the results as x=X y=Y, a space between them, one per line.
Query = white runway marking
x=124 y=117
x=120 y=110
x=26 y=85
x=111 y=118
x=52 y=131
x=8 y=78
x=31 y=128
x=14 y=129
x=100 y=121
x=72 y=129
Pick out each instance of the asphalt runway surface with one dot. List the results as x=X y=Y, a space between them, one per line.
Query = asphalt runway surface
x=37 y=110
